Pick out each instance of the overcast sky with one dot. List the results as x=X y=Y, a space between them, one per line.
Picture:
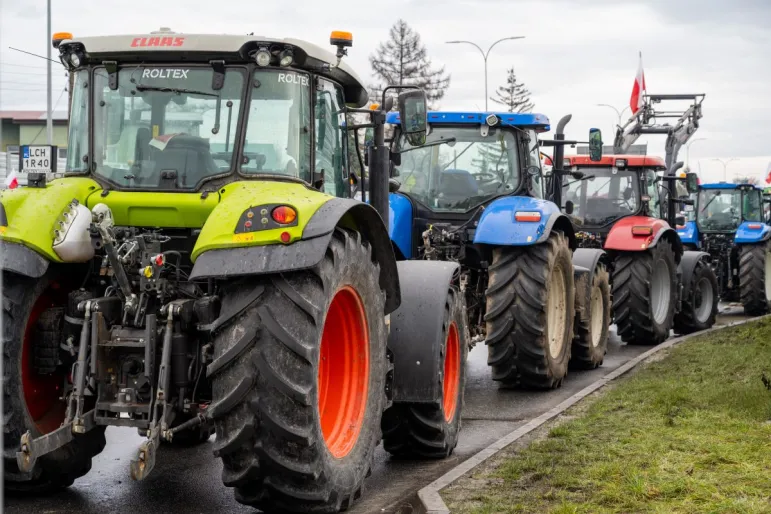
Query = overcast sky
x=576 y=53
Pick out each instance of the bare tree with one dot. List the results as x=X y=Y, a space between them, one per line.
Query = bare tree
x=402 y=61
x=747 y=180
x=514 y=95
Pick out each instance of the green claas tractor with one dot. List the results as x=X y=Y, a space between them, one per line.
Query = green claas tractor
x=202 y=267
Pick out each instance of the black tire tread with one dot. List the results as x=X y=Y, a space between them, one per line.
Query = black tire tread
x=420 y=430
x=271 y=451
x=516 y=314
x=685 y=320
x=56 y=470
x=583 y=355
x=752 y=280
x=632 y=311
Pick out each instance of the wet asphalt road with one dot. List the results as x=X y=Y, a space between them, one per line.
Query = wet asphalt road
x=188 y=481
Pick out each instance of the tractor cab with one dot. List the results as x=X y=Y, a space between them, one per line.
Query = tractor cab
x=615 y=187
x=725 y=207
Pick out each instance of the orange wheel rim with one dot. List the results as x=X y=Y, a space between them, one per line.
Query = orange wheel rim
x=343 y=379
x=41 y=392
x=451 y=373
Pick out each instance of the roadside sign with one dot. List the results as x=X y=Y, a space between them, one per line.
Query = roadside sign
x=38 y=159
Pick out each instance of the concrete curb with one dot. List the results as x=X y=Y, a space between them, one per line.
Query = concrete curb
x=430 y=500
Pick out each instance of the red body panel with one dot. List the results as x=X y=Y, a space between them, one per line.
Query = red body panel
x=620 y=236
x=632 y=161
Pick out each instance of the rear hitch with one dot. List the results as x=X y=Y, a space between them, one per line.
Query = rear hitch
x=33 y=449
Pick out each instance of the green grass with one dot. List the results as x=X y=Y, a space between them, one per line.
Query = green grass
x=687 y=433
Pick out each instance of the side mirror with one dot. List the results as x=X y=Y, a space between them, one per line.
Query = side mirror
x=413 y=115
x=692 y=182
x=595 y=145
x=569 y=206
x=369 y=137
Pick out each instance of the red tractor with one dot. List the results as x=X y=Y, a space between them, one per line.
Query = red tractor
x=626 y=204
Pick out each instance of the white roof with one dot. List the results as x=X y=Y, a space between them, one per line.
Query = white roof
x=169 y=41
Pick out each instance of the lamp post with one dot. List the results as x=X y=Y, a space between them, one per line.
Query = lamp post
x=725 y=166
x=485 y=55
x=688 y=150
x=619 y=113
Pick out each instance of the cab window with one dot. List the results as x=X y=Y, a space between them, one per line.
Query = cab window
x=534 y=159
x=331 y=170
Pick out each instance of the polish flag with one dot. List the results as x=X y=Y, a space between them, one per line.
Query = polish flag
x=636 y=101
x=12 y=181
x=768 y=174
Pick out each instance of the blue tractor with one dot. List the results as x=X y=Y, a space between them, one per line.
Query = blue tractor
x=473 y=193
x=730 y=224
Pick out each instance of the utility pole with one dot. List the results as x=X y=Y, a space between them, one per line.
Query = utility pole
x=485 y=55
x=49 y=119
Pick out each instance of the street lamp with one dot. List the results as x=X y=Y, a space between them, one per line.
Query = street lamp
x=688 y=151
x=620 y=113
x=725 y=165
x=485 y=55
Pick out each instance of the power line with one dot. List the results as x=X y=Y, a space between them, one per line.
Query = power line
x=52 y=110
x=22 y=65
x=36 y=74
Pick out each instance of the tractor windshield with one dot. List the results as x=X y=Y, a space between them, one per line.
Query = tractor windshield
x=723 y=210
x=461 y=174
x=163 y=127
x=605 y=195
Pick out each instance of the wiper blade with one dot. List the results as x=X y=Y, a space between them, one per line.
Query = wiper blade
x=428 y=145
x=177 y=90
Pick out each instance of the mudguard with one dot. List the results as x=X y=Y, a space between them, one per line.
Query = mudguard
x=400 y=223
x=32 y=212
x=621 y=238
x=689 y=234
x=309 y=249
x=588 y=258
x=686 y=267
x=497 y=225
x=22 y=260
x=751 y=232
x=414 y=328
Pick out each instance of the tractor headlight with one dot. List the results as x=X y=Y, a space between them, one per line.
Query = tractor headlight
x=263 y=57
x=72 y=241
x=74 y=60
x=286 y=57
x=492 y=120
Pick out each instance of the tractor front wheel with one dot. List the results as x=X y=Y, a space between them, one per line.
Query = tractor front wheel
x=32 y=386
x=755 y=278
x=299 y=374
x=700 y=303
x=644 y=294
x=431 y=430
x=530 y=313
x=590 y=342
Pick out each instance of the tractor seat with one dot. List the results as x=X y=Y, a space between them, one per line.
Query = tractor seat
x=188 y=156
x=456 y=186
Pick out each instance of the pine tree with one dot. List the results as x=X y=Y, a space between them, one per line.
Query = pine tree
x=514 y=95
x=402 y=61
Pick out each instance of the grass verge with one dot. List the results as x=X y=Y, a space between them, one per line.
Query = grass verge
x=688 y=433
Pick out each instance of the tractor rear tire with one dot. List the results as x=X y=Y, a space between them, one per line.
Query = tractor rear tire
x=699 y=308
x=754 y=271
x=590 y=342
x=299 y=374
x=644 y=286
x=431 y=430
x=30 y=398
x=530 y=313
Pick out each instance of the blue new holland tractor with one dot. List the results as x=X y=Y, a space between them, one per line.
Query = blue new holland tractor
x=729 y=223
x=473 y=193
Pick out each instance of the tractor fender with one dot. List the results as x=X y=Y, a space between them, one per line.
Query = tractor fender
x=585 y=261
x=498 y=226
x=22 y=260
x=400 y=223
x=748 y=234
x=621 y=238
x=310 y=249
x=686 y=267
x=415 y=326
x=689 y=234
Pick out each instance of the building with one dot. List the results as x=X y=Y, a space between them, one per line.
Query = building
x=29 y=128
